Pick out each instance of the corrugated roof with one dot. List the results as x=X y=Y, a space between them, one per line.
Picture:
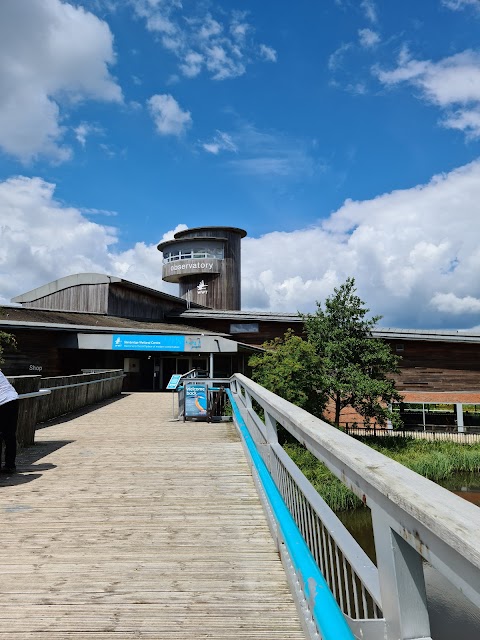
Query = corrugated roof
x=438 y=335
x=435 y=335
x=215 y=314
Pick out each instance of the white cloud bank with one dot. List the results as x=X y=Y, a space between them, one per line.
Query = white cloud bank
x=51 y=53
x=414 y=252
x=42 y=239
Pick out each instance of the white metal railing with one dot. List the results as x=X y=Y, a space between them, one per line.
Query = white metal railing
x=34 y=394
x=192 y=255
x=413 y=520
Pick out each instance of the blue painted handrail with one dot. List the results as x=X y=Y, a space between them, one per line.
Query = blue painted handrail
x=326 y=612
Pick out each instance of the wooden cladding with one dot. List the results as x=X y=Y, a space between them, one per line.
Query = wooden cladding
x=212 y=283
x=91 y=298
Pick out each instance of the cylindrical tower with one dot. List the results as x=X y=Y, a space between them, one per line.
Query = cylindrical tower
x=205 y=261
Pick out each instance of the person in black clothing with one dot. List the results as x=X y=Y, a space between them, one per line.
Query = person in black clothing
x=8 y=424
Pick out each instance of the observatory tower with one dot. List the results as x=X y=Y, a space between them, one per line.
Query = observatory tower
x=205 y=261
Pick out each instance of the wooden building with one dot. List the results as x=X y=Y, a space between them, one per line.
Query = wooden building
x=89 y=321
x=95 y=321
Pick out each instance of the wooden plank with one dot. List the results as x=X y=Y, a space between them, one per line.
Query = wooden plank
x=125 y=524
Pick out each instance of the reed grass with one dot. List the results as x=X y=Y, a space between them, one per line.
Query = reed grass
x=434 y=460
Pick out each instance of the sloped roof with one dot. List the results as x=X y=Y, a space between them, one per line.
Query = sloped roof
x=93 y=278
x=21 y=317
x=387 y=333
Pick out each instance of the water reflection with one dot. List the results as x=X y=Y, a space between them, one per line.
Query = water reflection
x=451 y=614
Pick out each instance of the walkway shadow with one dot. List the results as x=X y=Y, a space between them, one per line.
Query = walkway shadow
x=17 y=479
x=27 y=456
x=27 y=470
x=66 y=417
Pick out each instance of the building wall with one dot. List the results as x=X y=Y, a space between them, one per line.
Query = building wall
x=37 y=353
x=268 y=330
x=128 y=303
x=91 y=298
x=437 y=366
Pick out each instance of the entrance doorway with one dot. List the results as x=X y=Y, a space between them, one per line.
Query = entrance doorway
x=179 y=364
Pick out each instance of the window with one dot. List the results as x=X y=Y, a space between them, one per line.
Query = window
x=251 y=327
x=194 y=253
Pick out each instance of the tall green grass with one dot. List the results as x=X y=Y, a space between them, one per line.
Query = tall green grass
x=434 y=460
x=335 y=494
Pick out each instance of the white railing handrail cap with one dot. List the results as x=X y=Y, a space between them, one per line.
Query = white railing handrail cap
x=449 y=517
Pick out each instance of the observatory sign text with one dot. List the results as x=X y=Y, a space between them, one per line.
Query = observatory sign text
x=173 y=271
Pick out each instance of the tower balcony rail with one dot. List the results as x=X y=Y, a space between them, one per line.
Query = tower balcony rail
x=414 y=520
x=192 y=255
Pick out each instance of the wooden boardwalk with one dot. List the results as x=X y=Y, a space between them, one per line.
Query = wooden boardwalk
x=124 y=524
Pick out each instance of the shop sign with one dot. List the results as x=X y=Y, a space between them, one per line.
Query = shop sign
x=195 y=400
x=147 y=343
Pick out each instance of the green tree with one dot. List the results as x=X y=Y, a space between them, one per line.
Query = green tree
x=354 y=366
x=289 y=368
x=6 y=340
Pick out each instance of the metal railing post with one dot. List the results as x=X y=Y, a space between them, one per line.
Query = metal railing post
x=272 y=438
x=271 y=425
x=402 y=582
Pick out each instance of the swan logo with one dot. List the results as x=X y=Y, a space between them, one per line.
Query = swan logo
x=202 y=288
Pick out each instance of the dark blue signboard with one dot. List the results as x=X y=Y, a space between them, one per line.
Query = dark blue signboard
x=125 y=342
x=195 y=400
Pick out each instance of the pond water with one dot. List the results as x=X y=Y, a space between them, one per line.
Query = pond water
x=451 y=614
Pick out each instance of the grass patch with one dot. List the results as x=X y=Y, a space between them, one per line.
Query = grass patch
x=335 y=494
x=433 y=460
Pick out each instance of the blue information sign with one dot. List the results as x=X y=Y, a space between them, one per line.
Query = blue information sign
x=126 y=342
x=174 y=380
x=195 y=400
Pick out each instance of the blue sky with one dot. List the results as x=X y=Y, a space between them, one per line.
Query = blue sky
x=343 y=135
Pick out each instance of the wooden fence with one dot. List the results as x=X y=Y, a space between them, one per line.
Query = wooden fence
x=69 y=393
x=450 y=436
x=27 y=408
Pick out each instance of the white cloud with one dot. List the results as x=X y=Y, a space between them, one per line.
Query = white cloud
x=43 y=239
x=452 y=84
x=52 y=54
x=264 y=153
x=414 y=252
x=335 y=60
x=222 y=45
x=98 y=212
x=368 y=39
x=457 y=5
x=411 y=252
x=268 y=53
x=450 y=303
x=192 y=64
x=168 y=115
x=221 y=142
x=369 y=10
x=83 y=130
